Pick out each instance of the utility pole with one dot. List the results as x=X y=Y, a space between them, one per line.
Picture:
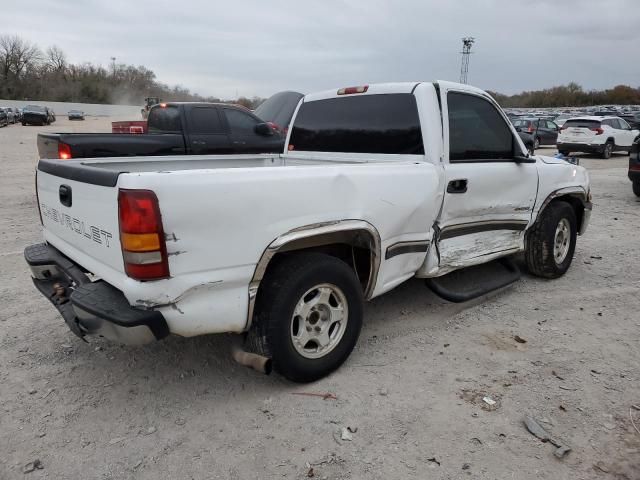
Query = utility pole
x=467 y=43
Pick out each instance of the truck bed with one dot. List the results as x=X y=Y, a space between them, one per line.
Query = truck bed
x=110 y=144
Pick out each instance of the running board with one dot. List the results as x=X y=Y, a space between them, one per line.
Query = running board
x=448 y=286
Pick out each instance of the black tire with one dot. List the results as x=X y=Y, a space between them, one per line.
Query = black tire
x=284 y=286
x=539 y=252
x=566 y=153
x=607 y=150
x=636 y=188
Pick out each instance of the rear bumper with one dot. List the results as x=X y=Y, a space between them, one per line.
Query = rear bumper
x=91 y=308
x=580 y=147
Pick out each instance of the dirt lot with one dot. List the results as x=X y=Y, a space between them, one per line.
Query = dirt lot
x=413 y=388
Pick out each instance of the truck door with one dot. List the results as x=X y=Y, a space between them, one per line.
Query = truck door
x=489 y=196
x=207 y=134
x=245 y=137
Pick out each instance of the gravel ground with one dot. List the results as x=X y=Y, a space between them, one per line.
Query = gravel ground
x=411 y=391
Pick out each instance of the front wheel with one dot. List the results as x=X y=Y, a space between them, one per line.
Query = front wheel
x=636 y=188
x=552 y=241
x=308 y=315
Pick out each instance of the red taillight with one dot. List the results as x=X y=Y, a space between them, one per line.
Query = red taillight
x=598 y=130
x=530 y=129
x=352 y=90
x=64 y=151
x=141 y=235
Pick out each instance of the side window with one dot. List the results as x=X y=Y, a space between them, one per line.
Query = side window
x=608 y=123
x=623 y=124
x=205 y=120
x=477 y=131
x=240 y=122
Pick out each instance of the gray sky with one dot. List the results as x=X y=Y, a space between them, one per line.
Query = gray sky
x=259 y=47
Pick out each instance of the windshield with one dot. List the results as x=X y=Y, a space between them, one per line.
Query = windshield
x=34 y=108
x=279 y=108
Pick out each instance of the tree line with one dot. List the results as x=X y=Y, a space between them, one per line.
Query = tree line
x=30 y=73
x=571 y=95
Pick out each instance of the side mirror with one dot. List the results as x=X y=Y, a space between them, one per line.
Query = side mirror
x=264 y=129
x=518 y=129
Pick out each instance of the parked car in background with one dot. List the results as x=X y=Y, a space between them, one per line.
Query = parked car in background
x=560 y=119
x=632 y=118
x=544 y=132
x=4 y=117
x=278 y=110
x=11 y=115
x=528 y=141
x=35 y=115
x=75 y=115
x=51 y=114
x=192 y=128
x=634 y=167
x=594 y=134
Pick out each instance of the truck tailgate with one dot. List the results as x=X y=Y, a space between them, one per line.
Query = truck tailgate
x=81 y=220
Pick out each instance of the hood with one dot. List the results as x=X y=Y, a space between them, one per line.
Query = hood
x=554 y=160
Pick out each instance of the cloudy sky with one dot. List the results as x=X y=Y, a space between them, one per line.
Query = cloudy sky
x=259 y=47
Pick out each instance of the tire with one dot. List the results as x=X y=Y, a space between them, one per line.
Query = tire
x=607 y=150
x=566 y=153
x=542 y=246
x=285 y=305
x=536 y=143
x=636 y=188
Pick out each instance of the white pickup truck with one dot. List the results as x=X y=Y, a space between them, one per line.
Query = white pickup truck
x=377 y=184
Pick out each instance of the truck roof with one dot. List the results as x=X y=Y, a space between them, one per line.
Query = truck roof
x=386 y=88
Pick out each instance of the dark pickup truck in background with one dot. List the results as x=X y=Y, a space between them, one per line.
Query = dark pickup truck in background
x=173 y=129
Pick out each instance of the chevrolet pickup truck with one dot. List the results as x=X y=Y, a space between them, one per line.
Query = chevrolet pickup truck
x=377 y=184
x=173 y=128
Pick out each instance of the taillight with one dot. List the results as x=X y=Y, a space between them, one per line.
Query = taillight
x=64 y=151
x=141 y=235
x=352 y=90
x=530 y=129
x=598 y=130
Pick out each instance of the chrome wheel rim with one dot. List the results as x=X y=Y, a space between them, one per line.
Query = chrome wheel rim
x=319 y=321
x=536 y=144
x=561 y=241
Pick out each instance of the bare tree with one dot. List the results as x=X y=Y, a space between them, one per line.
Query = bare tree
x=17 y=54
x=56 y=59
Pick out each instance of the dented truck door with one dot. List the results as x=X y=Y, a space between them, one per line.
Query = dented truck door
x=489 y=195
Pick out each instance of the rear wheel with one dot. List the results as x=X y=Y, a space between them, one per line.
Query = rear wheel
x=607 y=150
x=552 y=241
x=308 y=315
x=636 y=188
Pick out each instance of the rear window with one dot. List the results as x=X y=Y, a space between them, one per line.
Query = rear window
x=164 y=120
x=521 y=123
x=582 y=124
x=360 y=124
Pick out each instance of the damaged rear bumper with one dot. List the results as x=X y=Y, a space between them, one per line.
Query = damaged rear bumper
x=90 y=308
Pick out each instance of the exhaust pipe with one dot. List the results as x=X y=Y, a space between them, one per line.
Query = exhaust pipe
x=251 y=360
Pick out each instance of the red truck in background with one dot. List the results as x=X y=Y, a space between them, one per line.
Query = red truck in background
x=129 y=126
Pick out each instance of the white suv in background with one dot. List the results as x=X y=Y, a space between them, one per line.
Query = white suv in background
x=602 y=135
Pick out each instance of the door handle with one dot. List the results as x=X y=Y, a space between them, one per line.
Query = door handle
x=198 y=142
x=457 y=186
